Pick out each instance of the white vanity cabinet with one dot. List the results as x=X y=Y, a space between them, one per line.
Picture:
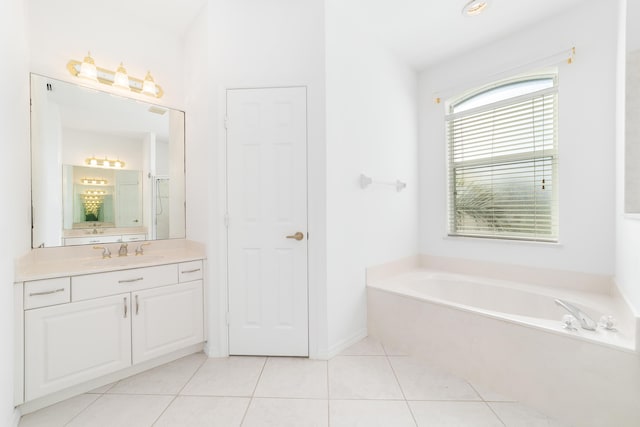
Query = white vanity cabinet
x=111 y=321
x=166 y=319
x=71 y=343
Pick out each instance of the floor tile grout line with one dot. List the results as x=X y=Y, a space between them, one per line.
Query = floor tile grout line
x=486 y=403
x=206 y=359
x=246 y=411
x=395 y=375
x=164 y=410
x=78 y=414
x=495 y=413
x=175 y=396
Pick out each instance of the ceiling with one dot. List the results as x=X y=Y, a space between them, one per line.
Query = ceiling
x=168 y=16
x=424 y=32
x=421 y=32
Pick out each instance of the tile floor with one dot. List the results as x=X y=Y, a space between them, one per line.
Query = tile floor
x=367 y=385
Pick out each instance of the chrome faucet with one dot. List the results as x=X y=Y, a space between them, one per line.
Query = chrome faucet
x=586 y=322
x=123 y=250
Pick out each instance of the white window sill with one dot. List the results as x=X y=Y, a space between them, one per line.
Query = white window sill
x=499 y=241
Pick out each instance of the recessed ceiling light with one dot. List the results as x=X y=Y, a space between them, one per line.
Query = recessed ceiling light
x=475 y=7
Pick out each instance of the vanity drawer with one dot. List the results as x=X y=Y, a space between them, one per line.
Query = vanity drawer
x=41 y=293
x=133 y=237
x=73 y=241
x=189 y=271
x=116 y=282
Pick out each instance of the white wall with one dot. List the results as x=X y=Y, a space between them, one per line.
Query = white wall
x=80 y=143
x=628 y=226
x=202 y=167
x=58 y=34
x=371 y=129
x=250 y=43
x=587 y=108
x=14 y=181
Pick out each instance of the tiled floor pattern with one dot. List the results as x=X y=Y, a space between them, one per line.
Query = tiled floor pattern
x=367 y=385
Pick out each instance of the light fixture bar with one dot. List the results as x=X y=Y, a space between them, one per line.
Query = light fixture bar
x=94 y=181
x=108 y=77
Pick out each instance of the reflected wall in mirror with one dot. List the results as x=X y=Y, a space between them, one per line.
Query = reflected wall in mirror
x=632 y=108
x=103 y=168
x=632 y=135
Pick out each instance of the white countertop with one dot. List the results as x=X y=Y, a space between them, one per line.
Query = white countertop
x=46 y=263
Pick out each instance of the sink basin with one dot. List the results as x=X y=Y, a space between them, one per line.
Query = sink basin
x=123 y=261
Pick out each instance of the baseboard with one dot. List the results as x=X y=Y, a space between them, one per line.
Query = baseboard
x=214 y=352
x=342 y=345
x=620 y=293
x=16 y=417
x=59 y=396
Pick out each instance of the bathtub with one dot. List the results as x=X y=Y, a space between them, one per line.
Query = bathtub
x=508 y=336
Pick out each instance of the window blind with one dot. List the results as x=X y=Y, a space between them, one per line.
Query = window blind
x=503 y=168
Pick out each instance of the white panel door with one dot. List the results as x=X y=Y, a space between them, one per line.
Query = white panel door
x=68 y=344
x=129 y=199
x=267 y=201
x=165 y=319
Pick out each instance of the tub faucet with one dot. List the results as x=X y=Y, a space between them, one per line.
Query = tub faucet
x=123 y=250
x=586 y=322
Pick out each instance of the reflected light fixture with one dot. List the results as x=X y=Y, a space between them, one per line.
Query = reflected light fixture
x=88 y=70
x=104 y=163
x=94 y=181
x=475 y=7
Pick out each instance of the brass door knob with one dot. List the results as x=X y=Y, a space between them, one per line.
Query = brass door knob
x=298 y=236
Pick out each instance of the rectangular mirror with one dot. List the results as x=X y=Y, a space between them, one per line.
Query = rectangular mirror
x=104 y=168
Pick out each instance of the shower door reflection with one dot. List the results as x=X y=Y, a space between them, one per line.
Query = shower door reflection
x=161 y=211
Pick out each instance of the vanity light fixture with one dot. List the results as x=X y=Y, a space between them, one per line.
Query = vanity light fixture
x=475 y=7
x=104 y=163
x=119 y=79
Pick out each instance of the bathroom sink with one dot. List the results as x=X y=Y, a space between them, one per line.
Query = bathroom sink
x=123 y=261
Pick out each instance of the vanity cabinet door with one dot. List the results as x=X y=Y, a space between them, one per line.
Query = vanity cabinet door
x=71 y=343
x=166 y=319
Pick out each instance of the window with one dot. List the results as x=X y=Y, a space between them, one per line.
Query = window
x=502 y=154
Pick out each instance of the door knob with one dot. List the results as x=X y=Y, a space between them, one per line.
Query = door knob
x=298 y=236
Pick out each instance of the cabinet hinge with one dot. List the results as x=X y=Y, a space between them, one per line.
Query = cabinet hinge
x=226 y=122
x=226 y=219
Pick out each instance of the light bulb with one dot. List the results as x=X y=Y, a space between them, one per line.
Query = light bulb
x=121 y=79
x=149 y=86
x=88 y=69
